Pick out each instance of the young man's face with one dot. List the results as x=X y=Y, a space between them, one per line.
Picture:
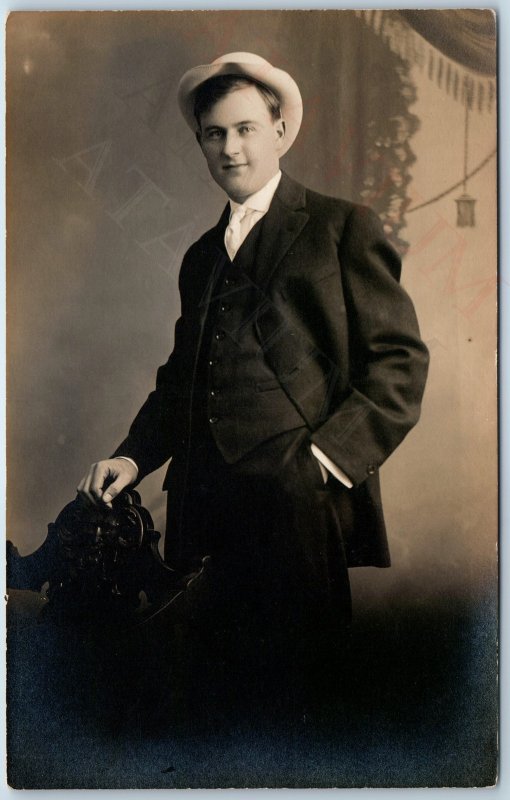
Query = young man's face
x=241 y=142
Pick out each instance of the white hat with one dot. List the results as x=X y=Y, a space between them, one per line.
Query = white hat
x=252 y=66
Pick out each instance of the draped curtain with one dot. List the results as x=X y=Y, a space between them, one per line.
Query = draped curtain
x=456 y=48
x=467 y=36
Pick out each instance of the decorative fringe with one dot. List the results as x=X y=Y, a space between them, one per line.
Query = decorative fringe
x=461 y=85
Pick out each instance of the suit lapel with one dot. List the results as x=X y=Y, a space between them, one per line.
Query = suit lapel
x=281 y=225
x=216 y=235
x=212 y=262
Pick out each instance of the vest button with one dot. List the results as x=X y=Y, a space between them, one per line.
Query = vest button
x=214 y=392
x=213 y=362
x=219 y=335
x=229 y=281
x=371 y=469
x=213 y=420
x=225 y=307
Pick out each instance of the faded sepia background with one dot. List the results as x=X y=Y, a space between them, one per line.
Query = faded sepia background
x=106 y=190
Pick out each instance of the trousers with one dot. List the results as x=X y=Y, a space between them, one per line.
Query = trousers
x=276 y=601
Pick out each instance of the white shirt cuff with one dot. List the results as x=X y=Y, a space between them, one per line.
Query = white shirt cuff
x=326 y=464
x=126 y=458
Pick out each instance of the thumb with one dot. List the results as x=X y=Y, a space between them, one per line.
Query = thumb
x=113 y=490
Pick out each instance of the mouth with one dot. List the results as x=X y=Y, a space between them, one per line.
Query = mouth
x=230 y=167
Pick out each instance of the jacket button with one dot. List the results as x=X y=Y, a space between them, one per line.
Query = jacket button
x=219 y=335
x=371 y=469
x=225 y=307
x=213 y=420
x=213 y=362
x=214 y=392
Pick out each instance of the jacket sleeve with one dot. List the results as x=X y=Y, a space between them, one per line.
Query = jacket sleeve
x=388 y=360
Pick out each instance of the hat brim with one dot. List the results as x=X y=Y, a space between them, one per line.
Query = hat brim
x=281 y=84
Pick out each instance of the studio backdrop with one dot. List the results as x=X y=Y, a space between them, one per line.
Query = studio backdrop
x=107 y=189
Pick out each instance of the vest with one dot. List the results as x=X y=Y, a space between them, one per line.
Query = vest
x=238 y=402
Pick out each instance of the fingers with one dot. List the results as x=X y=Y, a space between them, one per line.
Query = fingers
x=105 y=480
x=114 y=488
x=91 y=486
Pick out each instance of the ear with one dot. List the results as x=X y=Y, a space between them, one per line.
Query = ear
x=280 y=133
x=198 y=136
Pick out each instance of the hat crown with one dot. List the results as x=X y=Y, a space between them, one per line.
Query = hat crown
x=241 y=58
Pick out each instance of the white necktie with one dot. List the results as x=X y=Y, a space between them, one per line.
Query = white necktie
x=233 y=232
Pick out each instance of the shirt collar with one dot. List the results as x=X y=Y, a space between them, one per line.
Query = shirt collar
x=261 y=200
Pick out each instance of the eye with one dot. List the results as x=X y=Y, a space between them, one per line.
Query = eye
x=214 y=134
x=246 y=129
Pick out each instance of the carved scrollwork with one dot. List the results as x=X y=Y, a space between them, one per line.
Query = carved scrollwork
x=101 y=566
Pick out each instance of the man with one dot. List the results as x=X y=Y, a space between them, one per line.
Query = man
x=297 y=369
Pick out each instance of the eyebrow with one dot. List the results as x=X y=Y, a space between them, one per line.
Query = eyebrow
x=236 y=124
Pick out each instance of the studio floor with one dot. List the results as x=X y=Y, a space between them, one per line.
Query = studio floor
x=415 y=705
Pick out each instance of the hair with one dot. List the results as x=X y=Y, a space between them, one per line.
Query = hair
x=212 y=90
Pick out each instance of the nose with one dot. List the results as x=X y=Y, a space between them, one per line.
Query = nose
x=231 y=144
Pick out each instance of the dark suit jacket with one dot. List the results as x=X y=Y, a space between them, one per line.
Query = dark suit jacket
x=348 y=354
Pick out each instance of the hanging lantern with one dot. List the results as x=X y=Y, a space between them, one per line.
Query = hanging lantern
x=465 y=211
x=466 y=203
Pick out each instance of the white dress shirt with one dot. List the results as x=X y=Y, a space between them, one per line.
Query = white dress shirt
x=254 y=208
